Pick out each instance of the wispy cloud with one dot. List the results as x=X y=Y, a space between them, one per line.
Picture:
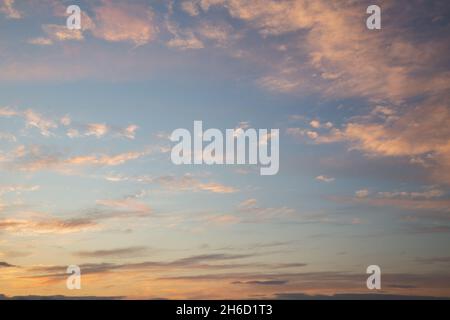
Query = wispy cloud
x=113 y=22
x=32 y=119
x=17 y=189
x=257 y=213
x=130 y=205
x=427 y=200
x=98 y=130
x=324 y=178
x=36 y=158
x=89 y=220
x=5 y=265
x=364 y=114
x=420 y=135
x=182 y=39
x=58 y=33
x=47 y=225
x=131 y=22
x=8 y=8
x=113 y=253
x=263 y=282
x=190 y=183
x=434 y=260
x=206 y=261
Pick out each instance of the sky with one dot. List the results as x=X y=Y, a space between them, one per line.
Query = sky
x=86 y=176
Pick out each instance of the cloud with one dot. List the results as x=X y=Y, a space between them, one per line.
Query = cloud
x=16 y=254
x=221 y=34
x=121 y=178
x=324 y=178
x=7 y=8
x=7 y=112
x=211 y=257
x=41 y=41
x=222 y=219
x=263 y=282
x=300 y=133
x=431 y=199
x=89 y=220
x=60 y=33
x=113 y=22
x=296 y=132
x=203 y=261
x=420 y=135
x=182 y=39
x=130 y=131
x=46 y=125
x=59 y=297
x=66 y=120
x=17 y=189
x=249 y=203
x=254 y=213
x=428 y=229
x=431 y=204
x=185 y=41
x=434 y=260
x=279 y=83
x=327 y=48
x=99 y=130
x=327 y=282
x=104 y=160
x=187 y=182
x=428 y=194
x=77 y=129
x=190 y=8
x=357 y=296
x=315 y=124
x=113 y=253
x=32 y=119
x=47 y=225
x=251 y=212
x=5 y=265
x=36 y=120
x=127 y=205
x=363 y=193
x=190 y=183
x=36 y=158
x=129 y=22
x=96 y=129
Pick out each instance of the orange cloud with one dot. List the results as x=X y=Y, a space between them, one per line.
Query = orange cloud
x=331 y=51
x=9 y=10
x=96 y=129
x=189 y=183
x=61 y=33
x=35 y=158
x=127 y=205
x=104 y=160
x=421 y=134
x=48 y=225
x=32 y=119
x=182 y=39
x=130 y=22
x=99 y=130
x=114 y=22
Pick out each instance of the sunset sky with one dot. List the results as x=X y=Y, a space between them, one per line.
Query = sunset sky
x=86 y=176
